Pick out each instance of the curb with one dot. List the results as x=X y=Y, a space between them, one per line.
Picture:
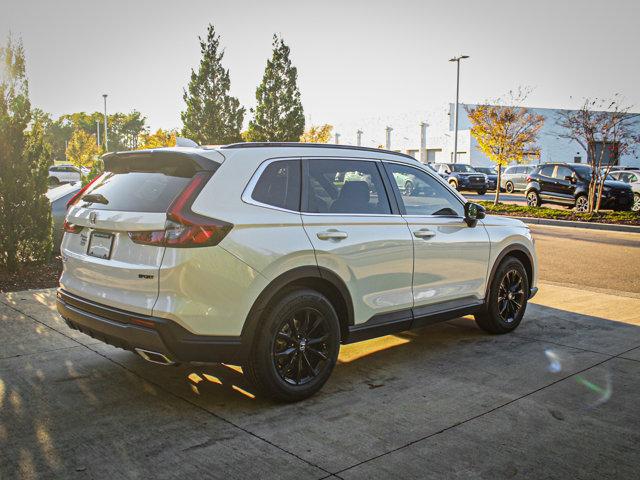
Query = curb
x=612 y=227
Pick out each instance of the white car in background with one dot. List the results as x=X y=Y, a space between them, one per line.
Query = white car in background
x=66 y=174
x=272 y=255
x=632 y=177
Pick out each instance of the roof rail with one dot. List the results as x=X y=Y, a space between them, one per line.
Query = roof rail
x=313 y=145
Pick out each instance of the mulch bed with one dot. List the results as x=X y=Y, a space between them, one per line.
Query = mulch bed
x=41 y=275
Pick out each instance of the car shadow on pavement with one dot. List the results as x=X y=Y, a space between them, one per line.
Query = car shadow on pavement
x=67 y=407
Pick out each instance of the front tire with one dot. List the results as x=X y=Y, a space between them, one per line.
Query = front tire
x=636 y=202
x=296 y=347
x=53 y=181
x=481 y=192
x=509 y=187
x=507 y=298
x=408 y=188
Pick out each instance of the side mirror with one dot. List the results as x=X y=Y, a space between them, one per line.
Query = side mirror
x=472 y=213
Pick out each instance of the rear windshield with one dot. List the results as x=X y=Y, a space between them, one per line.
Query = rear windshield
x=135 y=192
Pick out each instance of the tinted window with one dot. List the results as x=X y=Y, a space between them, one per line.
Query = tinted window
x=137 y=191
x=562 y=172
x=547 y=171
x=279 y=185
x=509 y=171
x=345 y=186
x=461 y=167
x=424 y=195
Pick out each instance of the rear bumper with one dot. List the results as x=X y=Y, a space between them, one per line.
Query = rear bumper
x=132 y=331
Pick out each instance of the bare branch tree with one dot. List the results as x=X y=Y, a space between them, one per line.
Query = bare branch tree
x=605 y=123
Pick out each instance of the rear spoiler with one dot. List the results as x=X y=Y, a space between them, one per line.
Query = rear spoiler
x=174 y=162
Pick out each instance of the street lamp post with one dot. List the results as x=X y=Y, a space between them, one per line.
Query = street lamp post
x=388 y=131
x=98 y=132
x=337 y=136
x=455 y=138
x=106 y=138
x=359 y=137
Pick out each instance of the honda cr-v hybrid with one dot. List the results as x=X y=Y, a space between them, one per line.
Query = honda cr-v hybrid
x=270 y=256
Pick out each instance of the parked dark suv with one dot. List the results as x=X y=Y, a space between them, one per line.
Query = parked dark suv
x=462 y=177
x=568 y=184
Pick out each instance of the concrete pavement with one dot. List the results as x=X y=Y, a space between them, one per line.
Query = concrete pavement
x=556 y=399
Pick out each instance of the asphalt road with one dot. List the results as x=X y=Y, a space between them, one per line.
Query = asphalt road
x=589 y=258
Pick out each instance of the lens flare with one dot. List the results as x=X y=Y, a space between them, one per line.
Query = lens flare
x=555 y=365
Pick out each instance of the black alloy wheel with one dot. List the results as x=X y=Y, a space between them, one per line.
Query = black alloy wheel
x=511 y=296
x=300 y=351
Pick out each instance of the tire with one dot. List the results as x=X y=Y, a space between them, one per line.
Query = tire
x=453 y=184
x=481 y=192
x=509 y=187
x=507 y=298
x=533 y=199
x=289 y=325
x=408 y=188
x=53 y=181
x=582 y=203
x=636 y=202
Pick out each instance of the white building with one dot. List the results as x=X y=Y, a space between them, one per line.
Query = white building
x=440 y=145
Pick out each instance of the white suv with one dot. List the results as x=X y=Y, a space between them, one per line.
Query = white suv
x=270 y=256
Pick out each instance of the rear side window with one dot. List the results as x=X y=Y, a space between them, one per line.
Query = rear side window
x=345 y=186
x=135 y=192
x=279 y=185
x=547 y=171
x=562 y=172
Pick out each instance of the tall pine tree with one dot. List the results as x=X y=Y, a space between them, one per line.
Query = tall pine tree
x=212 y=115
x=278 y=116
x=25 y=211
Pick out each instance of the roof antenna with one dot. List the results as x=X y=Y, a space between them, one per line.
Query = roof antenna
x=185 y=142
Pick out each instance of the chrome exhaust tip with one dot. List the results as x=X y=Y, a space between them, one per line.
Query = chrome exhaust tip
x=154 y=357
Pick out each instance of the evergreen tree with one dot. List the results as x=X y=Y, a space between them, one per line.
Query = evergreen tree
x=25 y=212
x=278 y=116
x=212 y=115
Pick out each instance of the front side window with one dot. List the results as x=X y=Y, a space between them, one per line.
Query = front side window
x=462 y=168
x=422 y=194
x=279 y=185
x=345 y=186
x=562 y=172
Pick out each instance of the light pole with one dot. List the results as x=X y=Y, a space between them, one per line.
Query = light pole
x=388 y=131
x=337 y=138
x=106 y=138
x=455 y=138
x=98 y=132
x=359 y=137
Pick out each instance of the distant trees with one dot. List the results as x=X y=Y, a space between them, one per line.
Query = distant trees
x=505 y=131
x=161 y=138
x=212 y=115
x=606 y=130
x=82 y=149
x=25 y=212
x=317 y=134
x=278 y=116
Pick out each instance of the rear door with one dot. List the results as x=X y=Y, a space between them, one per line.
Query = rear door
x=563 y=188
x=101 y=261
x=356 y=234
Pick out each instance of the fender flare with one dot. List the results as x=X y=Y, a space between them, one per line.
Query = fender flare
x=509 y=249
x=270 y=292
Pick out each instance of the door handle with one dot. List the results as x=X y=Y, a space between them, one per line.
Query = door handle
x=424 y=233
x=332 y=234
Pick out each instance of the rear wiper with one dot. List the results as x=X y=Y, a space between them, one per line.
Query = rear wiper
x=95 y=198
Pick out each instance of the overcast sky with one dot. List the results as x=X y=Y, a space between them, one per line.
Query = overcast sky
x=360 y=63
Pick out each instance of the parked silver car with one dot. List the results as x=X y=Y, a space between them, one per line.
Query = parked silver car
x=515 y=178
x=632 y=177
x=59 y=196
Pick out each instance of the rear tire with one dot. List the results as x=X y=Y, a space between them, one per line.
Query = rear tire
x=481 y=192
x=408 y=188
x=636 y=202
x=509 y=187
x=296 y=346
x=582 y=204
x=533 y=199
x=53 y=181
x=507 y=299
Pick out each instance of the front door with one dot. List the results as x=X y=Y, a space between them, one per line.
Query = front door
x=451 y=258
x=348 y=218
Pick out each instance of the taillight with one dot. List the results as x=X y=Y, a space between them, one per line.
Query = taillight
x=185 y=228
x=71 y=227
x=78 y=195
